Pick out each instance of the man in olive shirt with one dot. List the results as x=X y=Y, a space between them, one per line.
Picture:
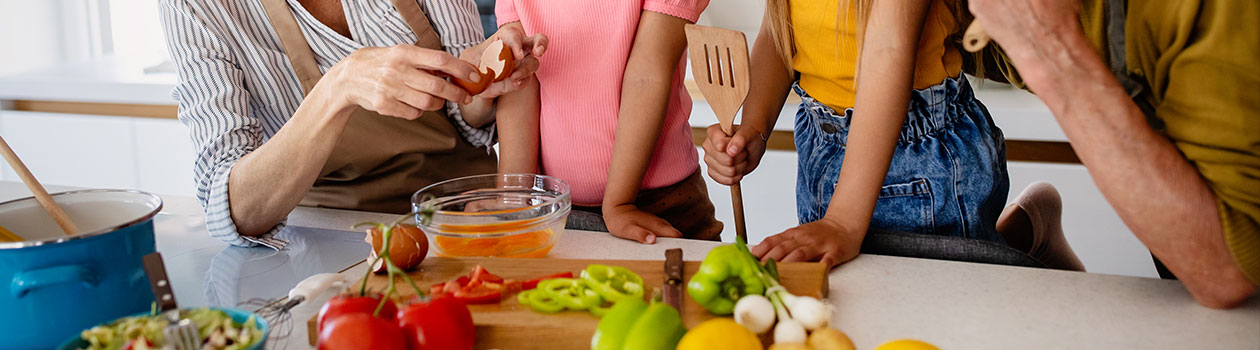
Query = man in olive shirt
x=1180 y=159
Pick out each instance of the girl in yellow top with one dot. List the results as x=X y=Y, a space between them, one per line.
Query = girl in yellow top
x=886 y=121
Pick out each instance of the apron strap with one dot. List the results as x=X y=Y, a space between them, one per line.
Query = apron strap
x=295 y=46
x=419 y=23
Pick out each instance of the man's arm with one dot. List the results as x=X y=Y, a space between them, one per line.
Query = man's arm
x=1160 y=196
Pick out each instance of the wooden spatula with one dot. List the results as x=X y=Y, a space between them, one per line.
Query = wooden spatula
x=41 y=195
x=975 y=38
x=719 y=63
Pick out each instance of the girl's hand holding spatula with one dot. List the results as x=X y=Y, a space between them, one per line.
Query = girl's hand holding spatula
x=729 y=158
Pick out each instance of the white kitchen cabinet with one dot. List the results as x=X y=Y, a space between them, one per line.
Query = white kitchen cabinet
x=1091 y=226
x=165 y=157
x=75 y=150
x=94 y=151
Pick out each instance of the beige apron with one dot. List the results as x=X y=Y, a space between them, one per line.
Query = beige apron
x=379 y=161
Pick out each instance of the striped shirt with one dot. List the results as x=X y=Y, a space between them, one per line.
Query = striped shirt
x=236 y=87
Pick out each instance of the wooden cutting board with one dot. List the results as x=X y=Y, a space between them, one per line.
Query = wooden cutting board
x=509 y=325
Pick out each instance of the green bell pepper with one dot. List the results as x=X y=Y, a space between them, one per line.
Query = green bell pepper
x=613 y=283
x=726 y=274
x=632 y=324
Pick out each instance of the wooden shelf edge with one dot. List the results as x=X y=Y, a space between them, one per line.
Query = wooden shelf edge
x=1016 y=150
x=97 y=108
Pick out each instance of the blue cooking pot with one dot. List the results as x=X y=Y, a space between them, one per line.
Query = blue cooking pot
x=53 y=286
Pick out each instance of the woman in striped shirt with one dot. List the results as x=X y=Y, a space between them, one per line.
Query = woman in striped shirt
x=328 y=103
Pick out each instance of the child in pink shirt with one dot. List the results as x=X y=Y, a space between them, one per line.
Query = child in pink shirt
x=607 y=112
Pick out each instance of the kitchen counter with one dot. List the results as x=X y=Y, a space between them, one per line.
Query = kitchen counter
x=877 y=298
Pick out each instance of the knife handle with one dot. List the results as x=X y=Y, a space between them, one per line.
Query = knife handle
x=674 y=278
x=162 y=293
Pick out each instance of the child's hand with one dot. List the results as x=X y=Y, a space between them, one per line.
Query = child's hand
x=628 y=222
x=527 y=49
x=824 y=240
x=730 y=158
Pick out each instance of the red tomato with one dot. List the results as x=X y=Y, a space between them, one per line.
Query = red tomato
x=441 y=324
x=347 y=304
x=141 y=343
x=361 y=331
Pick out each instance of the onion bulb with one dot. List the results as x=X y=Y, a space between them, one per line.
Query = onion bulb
x=809 y=311
x=755 y=313
x=789 y=331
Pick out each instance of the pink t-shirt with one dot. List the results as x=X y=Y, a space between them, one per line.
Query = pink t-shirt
x=580 y=82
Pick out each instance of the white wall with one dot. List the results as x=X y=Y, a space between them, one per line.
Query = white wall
x=29 y=35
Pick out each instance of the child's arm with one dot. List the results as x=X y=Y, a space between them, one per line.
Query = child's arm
x=645 y=91
x=885 y=77
x=517 y=123
x=730 y=158
x=516 y=116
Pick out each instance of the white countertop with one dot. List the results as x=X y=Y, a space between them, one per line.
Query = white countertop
x=879 y=298
x=1020 y=114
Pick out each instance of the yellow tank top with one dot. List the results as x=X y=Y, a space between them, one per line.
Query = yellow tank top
x=826 y=53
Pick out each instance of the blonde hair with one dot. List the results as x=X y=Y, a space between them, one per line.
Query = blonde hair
x=779 y=20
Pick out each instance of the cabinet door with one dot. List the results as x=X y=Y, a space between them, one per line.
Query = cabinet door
x=1092 y=227
x=769 y=197
x=164 y=157
x=74 y=150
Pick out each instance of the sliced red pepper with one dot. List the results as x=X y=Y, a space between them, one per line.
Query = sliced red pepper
x=484 y=293
x=531 y=284
x=449 y=287
x=480 y=274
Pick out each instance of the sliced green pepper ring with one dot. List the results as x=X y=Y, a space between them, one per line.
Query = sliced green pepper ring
x=601 y=309
x=571 y=293
x=541 y=302
x=613 y=282
x=523 y=297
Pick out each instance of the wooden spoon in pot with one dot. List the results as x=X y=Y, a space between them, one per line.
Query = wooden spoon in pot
x=40 y=194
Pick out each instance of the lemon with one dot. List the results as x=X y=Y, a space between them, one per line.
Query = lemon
x=906 y=344
x=719 y=333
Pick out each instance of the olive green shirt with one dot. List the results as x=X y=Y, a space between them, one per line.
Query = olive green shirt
x=1199 y=64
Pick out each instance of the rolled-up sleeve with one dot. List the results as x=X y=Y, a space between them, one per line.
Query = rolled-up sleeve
x=1205 y=68
x=459 y=28
x=214 y=104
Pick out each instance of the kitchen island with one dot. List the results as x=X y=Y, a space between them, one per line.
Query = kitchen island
x=877 y=298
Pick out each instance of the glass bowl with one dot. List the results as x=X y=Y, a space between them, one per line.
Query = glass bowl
x=496 y=215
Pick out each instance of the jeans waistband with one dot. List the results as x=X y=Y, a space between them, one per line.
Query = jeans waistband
x=931 y=109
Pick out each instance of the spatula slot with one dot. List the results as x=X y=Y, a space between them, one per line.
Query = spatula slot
x=707 y=66
x=717 y=65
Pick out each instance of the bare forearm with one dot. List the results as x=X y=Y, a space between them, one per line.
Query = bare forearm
x=518 y=127
x=642 y=114
x=1158 y=194
x=645 y=91
x=770 y=82
x=479 y=113
x=885 y=76
x=266 y=184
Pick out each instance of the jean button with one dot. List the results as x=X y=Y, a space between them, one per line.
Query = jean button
x=829 y=128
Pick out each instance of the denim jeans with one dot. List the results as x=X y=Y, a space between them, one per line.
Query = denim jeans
x=948 y=173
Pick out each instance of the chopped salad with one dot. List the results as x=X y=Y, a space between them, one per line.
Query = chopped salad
x=217 y=331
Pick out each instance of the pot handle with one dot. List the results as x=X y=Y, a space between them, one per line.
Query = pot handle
x=25 y=281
